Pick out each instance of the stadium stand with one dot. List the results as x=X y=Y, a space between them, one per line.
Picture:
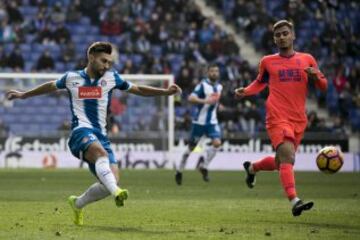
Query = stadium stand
x=330 y=30
x=156 y=37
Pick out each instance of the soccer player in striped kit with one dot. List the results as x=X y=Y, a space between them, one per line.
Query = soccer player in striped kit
x=90 y=94
x=206 y=96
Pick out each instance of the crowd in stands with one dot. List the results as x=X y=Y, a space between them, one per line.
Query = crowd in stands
x=172 y=36
x=328 y=29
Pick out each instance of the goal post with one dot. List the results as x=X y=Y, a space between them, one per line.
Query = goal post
x=26 y=81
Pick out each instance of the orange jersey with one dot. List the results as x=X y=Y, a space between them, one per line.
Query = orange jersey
x=288 y=86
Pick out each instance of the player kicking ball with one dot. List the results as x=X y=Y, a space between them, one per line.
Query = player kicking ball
x=288 y=74
x=206 y=96
x=90 y=92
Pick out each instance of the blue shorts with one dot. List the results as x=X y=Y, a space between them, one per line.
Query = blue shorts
x=80 y=140
x=210 y=130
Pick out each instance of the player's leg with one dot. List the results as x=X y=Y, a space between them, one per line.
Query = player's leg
x=251 y=168
x=267 y=163
x=212 y=131
x=285 y=156
x=181 y=167
x=195 y=135
x=97 y=155
x=96 y=192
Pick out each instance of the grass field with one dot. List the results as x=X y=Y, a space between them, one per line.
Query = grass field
x=33 y=206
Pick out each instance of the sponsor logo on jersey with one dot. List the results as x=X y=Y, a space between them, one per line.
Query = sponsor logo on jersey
x=90 y=92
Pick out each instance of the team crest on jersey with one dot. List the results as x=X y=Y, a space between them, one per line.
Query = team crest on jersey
x=103 y=83
x=90 y=92
x=90 y=137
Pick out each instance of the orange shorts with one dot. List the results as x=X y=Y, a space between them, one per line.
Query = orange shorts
x=280 y=132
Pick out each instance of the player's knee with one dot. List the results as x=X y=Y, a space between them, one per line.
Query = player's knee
x=94 y=153
x=285 y=153
x=286 y=158
x=101 y=153
x=216 y=143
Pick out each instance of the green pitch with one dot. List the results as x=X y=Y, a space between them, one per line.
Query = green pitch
x=33 y=206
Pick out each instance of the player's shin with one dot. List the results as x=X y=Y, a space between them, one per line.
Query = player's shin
x=210 y=154
x=287 y=179
x=94 y=193
x=104 y=173
x=184 y=158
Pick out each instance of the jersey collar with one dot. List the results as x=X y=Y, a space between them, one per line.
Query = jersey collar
x=207 y=80
x=290 y=56
x=88 y=81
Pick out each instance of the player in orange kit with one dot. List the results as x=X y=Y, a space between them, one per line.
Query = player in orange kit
x=288 y=74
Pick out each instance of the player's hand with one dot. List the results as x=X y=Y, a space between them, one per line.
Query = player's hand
x=174 y=89
x=311 y=73
x=13 y=94
x=212 y=99
x=240 y=92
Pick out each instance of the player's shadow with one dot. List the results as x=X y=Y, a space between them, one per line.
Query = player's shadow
x=128 y=229
x=329 y=226
x=353 y=229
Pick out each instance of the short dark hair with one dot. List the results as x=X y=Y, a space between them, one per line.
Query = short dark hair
x=212 y=65
x=100 y=47
x=283 y=23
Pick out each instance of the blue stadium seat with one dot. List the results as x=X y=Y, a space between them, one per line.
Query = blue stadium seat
x=84 y=21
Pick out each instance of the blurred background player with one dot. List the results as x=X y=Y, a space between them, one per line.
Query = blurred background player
x=206 y=96
x=90 y=92
x=288 y=74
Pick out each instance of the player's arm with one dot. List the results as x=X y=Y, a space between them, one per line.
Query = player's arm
x=142 y=90
x=198 y=96
x=257 y=85
x=213 y=99
x=45 y=88
x=148 y=91
x=315 y=75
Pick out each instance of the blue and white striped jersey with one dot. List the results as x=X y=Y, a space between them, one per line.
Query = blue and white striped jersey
x=90 y=98
x=206 y=113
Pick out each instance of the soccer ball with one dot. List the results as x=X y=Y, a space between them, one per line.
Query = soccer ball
x=330 y=159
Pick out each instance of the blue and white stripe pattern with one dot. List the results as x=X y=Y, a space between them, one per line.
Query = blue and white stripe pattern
x=88 y=112
x=206 y=113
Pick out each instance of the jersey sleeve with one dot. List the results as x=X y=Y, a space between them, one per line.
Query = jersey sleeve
x=61 y=82
x=198 y=91
x=120 y=83
x=321 y=83
x=260 y=82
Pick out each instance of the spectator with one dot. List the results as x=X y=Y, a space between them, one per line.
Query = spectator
x=58 y=15
x=129 y=67
x=13 y=12
x=230 y=46
x=68 y=52
x=16 y=60
x=3 y=58
x=73 y=14
x=112 y=24
x=61 y=34
x=45 y=62
x=46 y=36
x=7 y=33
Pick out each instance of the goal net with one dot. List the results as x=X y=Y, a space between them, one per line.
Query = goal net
x=135 y=122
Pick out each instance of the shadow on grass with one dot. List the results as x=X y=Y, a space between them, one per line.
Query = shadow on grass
x=127 y=230
x=350 y=228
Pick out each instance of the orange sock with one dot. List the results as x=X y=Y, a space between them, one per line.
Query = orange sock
x=287 y=179
x=266 y=164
